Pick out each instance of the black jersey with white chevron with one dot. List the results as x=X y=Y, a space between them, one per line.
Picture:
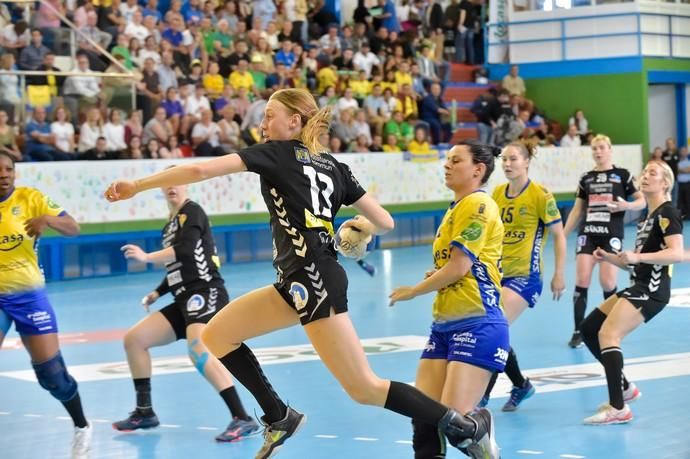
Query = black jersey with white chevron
x=664 y=221
x=196 y=261
x=303 y=193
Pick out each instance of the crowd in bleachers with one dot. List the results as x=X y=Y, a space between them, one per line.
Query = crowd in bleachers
x=204 y=70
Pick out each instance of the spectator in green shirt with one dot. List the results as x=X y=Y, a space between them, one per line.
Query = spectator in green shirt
x=256 y=70
x=400 y=128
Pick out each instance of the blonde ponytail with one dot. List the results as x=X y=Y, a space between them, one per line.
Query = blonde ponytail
x=315 y=122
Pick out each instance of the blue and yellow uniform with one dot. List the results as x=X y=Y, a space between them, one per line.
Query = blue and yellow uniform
x=526 y=218
x=22 y=293
x=469 y=325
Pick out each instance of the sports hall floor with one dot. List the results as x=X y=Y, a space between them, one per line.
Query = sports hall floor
x=93 y=315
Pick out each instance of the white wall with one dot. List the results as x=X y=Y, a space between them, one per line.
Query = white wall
x=662 y=114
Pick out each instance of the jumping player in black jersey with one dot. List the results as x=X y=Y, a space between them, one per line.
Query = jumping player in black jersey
x=600 y=205
x=658 y=245
x=303 y=189
x=189 y=253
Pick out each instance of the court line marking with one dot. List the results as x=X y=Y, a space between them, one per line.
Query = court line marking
x=572 y=456
x=365 y=439
x=171 y=426
x=206 y=428
x=326 y=436
x=530 y=452
x=63 y=418
x=30 y=415
x=404 y=442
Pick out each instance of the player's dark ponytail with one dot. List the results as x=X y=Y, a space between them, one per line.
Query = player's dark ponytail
x=483 y=154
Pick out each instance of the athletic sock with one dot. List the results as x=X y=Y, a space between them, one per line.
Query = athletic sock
x=609 y=293
x=234 y=404
x=490 y=386
x=408 y=401
x=246 y=369
x=513 y=370
x=76 y=411
x=612 y=359
x=142 y=387
x=579 y=305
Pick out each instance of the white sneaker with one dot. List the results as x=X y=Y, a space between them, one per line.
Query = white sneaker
x=606 y=414
x=81 y=442
x=632 y=394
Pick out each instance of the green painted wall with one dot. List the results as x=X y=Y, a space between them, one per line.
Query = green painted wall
x=680 y=65
x=614 y=104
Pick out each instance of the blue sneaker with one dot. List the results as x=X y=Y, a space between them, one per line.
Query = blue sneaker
x=137 y=420
x=518 y=395
x=239 y=429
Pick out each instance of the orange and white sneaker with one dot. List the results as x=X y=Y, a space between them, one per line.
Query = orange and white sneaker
x=632 y=394
x=606 y=415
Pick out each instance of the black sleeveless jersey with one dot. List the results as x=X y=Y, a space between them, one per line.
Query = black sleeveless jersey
x=196 y=259
x=664 y=221
x=599 y=188
x=303 y=193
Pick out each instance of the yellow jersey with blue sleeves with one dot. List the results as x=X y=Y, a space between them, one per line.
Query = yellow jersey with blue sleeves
x=19 y=268
x=474 y=226
x=526 y=218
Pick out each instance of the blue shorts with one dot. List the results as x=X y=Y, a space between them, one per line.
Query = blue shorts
x=529 y=288
x=474 y=341
x=31 y=312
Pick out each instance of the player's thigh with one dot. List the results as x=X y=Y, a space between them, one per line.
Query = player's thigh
x=608 y=275
x=513 y=304
x=623 y=319
x=608 y=304
x=254 y=314
x=335 y=340
x=41 y=348
x=151 y=331
x=431 y=376
x=464 y=386
x=584 y=265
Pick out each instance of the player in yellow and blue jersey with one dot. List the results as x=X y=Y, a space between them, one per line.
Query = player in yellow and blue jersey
x=529 y=213
x=469 y=334
x=24 y=214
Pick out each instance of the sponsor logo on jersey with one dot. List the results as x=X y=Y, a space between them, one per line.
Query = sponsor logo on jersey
x=501 y=355
x=302 y=155
x=195 y=303
x=594 y=229
x=616 y=244
x=663 y=223
x=581 y=241
x=430 y=346
x=551 y=208
x=300 y=295
x=10 y=242
x=472 y=232
x=16 y=210
x=615 y=178
x=52 y=204
x=464 y=338
x=603 y=217
x=482 y=208
x=182 y=218
x=522 y=211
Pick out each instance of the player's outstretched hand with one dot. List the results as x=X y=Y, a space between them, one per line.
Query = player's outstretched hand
x=121 y=190
x=134 y=252
x=149 y=299
x=401 y=294
x=360 y=223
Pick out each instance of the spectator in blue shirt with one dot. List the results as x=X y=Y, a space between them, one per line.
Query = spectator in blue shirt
x=266 y=11
x=431 y=111
x=40 y=140
x=286 y=56
x=389 y=17
x=151 y=9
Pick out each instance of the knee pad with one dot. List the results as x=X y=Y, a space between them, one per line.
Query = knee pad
x=52 y=376
x=428 y=441
x=198 y=359
x=592 y=324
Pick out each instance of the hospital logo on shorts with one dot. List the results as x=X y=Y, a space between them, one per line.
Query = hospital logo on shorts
x=465 y=338
x=195 y=303
x=501 y=355
x=300 y=295
x=616 y=244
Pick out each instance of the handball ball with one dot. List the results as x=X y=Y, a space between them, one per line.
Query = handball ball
x=351 y=242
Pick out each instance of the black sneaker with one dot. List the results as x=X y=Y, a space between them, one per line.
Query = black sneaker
x=472 y=434
x=576 y=340
x=137 y=420
x=276 y=433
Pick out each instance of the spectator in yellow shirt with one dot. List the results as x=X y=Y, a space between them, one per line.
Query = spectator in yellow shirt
x=361 y=87
x=513 y=83
x=389 y=82
x=213 y=82
x=326 y=77
x=407 y=102
x=391 y=145
x=241 y=78
x=402 y=75
x=419 y=147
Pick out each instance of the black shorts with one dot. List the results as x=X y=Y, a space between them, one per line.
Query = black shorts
x=316 y=289
x=196 y=307
x=587 y=244
x=640 y=297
